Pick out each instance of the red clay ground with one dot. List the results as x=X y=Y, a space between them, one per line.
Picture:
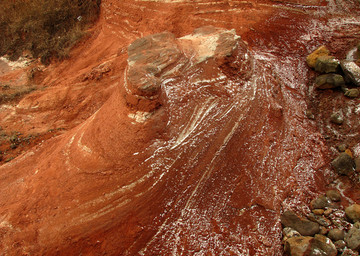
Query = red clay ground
x=108 y=185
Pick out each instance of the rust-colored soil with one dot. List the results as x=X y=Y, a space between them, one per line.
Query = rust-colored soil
x=210 y=171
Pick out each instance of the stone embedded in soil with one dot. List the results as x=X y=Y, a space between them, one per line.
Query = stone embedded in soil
x=320 y=203
x=351 y=71
x=336 y=234
x=340 y=244
x=309 y=114
x=357 y=164
x=349 y=252
x=343 y=164
x=329 y=81
x=352 y=238
x=319 y=219
x=297 y=246
x=289 y=232
x=312 y=58
x=303 y=226
x=327 y=64
x=333 y=195
x=318 y=211
x=337 y=118
x=353 y=212
x=352 y=93
x=342 y=147
x=321 y=245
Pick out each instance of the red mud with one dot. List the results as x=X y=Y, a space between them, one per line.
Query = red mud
x=209 y=173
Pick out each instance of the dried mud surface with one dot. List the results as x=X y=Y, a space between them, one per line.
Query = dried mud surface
x=210 y=171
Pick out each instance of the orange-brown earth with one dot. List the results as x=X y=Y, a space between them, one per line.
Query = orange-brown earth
x=209 y=171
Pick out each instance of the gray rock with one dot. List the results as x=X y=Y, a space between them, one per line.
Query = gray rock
x=321 y=245
x=353 y=212
x=333 y=195
x=343 y=164
x=297 y=246
x=352 y=93
x=336 y=234
x=336 y=118
x=320 y=203
x=352 y=238
x=327 y=64
x=303 y=226
x=329 y=81
x=351 y=71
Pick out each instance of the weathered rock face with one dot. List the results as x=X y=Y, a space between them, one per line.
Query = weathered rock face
x=200 y=147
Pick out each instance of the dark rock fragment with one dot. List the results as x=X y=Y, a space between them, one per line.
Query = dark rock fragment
x=336 y=118
x=336 y=234
x=352 y=93
x=343 y=164
x=320 y=203
x=303 y=226
x=327 y=64
x=353 y=212
x=329 y=81
x=352 y=238
x=333 y=195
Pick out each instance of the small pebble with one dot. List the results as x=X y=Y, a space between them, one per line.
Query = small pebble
x=336 y=118
x=336 y=234
x=318 y=211
x=342 y=147
x=334 y=195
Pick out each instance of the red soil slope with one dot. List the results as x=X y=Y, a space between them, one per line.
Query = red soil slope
x=209 y=172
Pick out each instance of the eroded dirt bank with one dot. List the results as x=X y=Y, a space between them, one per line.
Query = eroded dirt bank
x=227 y=149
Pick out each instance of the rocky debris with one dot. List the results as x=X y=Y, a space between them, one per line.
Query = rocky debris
x=336 y=234
x=289 y=232
x=312 y=58
x=357 y=164
x=342 y=147
x=305 y=245
x=318 y=211
x=320 y=203
x=303 y=226
x=351 y=71
x=352 y=238
x=321 y=245
x=333 y=195
x=332 y=238
x=337 y=118
x=309 y=114
x=343 y=164
x=352 y=93
x=321 y=220
x=329 y=81
x=353 y=212
x=327 y=64
x=340 y=245
x=349 y=252
x=297 y=246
